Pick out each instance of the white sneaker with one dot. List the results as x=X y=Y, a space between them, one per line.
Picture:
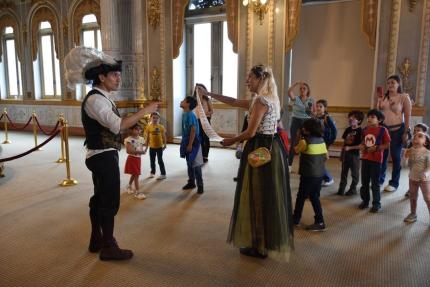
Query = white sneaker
x=411 y=218
x=163 y=176
x=390 y=188
x=327 y=183
x=140 y=196
x=151 y=175
x=129 y=190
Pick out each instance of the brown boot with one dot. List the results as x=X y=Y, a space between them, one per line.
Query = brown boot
x=113 y=252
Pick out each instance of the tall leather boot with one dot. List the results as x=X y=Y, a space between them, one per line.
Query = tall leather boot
x=96 y=240
x=110 y=249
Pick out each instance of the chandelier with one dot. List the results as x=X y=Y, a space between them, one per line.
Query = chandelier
x=260 y=7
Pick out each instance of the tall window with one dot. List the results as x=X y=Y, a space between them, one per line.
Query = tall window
x=12 y=66
x=210 y=57
x=90 y=37
x=48 y=63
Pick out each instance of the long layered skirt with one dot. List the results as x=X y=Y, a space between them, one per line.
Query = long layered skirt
x=262 y=217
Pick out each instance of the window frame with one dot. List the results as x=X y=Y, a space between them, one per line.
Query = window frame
x=48 y=32
x=216 y=16
x=5 y=38
x=95 y=27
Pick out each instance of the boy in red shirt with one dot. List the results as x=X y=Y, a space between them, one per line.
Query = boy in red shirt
x=375 y=140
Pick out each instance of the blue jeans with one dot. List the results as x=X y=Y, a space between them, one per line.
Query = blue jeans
x=395 y=151
x=309 y=187
x=296 y=125
x=370 y=171
x=194 y=173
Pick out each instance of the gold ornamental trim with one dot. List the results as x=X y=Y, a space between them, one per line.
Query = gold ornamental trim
x=178 y=13
x=84 y=8
x=154 y=13
x=394 y=37
x=369 y=20
x=42 y=14
x=292 y=13
x=232 y=11
x=11 y=20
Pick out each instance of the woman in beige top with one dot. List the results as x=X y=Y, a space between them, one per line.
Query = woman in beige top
x=396 y=107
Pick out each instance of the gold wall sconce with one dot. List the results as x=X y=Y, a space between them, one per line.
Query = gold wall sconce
x=260 y=7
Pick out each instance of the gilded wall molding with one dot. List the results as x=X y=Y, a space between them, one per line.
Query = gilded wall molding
x=10 y=19
x=178 y=13
x=162 y=51
x=155 y=84
x=369 y=20
x=44 y=13
x=82 y=8
x=271 y=30
x=423 y=59
x=233 y=22
x=154 y=11
x=292 y=13
x=394 y=37
x=249 y=38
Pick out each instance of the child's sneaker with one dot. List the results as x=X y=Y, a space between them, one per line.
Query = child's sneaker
x=390 y=188
x=411 y=218
x=376 y=209
x=151 y=175
x=351 y=191
x=129 y=190
x=140 y=195
x=328 y=183
x=161 y=177
x=316 y=227
x=363 y=205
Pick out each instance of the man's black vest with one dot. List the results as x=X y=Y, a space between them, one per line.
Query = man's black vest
x=96 y=135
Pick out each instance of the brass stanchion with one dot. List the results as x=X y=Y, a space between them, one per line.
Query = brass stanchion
x=68 y=181
x=62 y=158
x=6 y=140
x=33 y=118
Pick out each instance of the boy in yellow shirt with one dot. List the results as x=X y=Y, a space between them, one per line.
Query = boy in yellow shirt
x=155 y=135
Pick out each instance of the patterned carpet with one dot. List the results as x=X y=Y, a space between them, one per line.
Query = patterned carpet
x=179 y=238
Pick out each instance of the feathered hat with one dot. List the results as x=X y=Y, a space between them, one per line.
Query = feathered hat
x=84 y=64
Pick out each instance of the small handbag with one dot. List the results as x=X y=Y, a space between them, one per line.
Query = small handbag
x=259 y=157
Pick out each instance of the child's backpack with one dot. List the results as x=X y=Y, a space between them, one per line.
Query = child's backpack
x=284 y=137
x=330 y=130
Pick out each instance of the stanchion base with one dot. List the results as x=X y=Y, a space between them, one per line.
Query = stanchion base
x=6 y=142
x=69 y=182
x=61 y=160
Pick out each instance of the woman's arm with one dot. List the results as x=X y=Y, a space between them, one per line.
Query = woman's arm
x=407 y=107
x=291 y=90
x=231 y=101
x=258 y=111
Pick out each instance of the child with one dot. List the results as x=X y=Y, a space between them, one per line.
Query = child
x=419 y=175
x=421 y=127
x=330 y=133
x=375 y=140
x=155 y=135
x=134 y=146
x=190 y=145
x=313 y=154
x=350 y=155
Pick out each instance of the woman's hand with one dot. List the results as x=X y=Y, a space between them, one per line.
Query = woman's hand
x=405 y=138
x=202 y=91
x=227 y=142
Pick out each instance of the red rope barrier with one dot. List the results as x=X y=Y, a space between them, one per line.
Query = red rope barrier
x=32 y=150
x=51 y=132
x=15 y=127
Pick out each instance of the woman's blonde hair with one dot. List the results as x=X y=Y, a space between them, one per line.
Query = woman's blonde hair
x=267 y=87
